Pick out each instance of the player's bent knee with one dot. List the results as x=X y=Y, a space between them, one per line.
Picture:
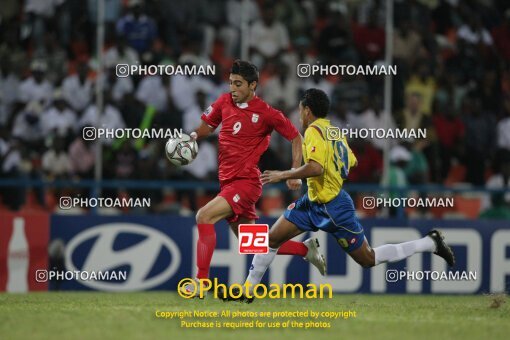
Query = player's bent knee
x=203 y=216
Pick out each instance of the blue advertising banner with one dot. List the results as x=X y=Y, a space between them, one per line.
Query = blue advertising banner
x=156 y=252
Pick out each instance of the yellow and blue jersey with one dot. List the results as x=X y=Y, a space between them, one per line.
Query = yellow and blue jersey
x=334 y=156
x=326 y=206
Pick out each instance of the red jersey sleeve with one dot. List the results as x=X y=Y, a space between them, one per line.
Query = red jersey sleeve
x=212 y=115
x=283 y=125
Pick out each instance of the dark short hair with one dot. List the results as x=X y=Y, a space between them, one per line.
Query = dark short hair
x=245 y=69
x=318 y=102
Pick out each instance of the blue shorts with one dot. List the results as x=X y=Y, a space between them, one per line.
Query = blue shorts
x=337 y=217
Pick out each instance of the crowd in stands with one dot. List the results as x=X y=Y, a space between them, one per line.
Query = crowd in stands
x=453 y=79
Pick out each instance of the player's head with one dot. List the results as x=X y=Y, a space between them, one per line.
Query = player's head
x=244 y=77
x=313 y=104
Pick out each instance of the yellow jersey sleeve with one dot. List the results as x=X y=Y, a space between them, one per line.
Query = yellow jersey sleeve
x=352 y=158
x=314 y=146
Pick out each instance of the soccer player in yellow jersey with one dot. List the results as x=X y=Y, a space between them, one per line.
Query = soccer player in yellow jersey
x=326 y=206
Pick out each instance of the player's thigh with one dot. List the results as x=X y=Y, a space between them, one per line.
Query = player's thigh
x=215 y=210
x=364 y=255
x=282 y=231
x=242 y=220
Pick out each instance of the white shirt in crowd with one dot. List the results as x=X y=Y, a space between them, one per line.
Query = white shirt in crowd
x=56 y=164
x=45 y=8
x=112 y=56
x=206 y=161
x=274 y=91
x=26 y=131
x=12 y=161
x=191 y=118
x=121 y=87
x=234 y=7
x=59 y=121
x=184 y=90
x=368 y=119
x=151 y=91
x=78 y=95
x=473 y=37
x=269 y=40
x=110 y=119
x=496 y=181
x=29 y=91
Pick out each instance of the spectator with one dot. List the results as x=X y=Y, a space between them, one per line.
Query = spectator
x=191 y=117
x=39 y=14
x=234 y=7
x=110 y=118
x=183 y=90
x=11 y=167
x=372 y=117
x=480 y=139
x=418 y=167
x=450 y=132
x=59 y=119
x=351 y=90
x=125 y=160
x=153 y=90
x=335 y=41
x=407 y=43
x=370 y=162
x=370 y=40
x=56 y=59
x=28 y=126
x=205 y=166
x=55 y=161
x=77 y=89
x=473 y=33
x=118 y=86
x=399 y=158
x=82 y=157
x=139 y=29
x=269 y=38
x=213 y=23
x=280 y=87
x=412 y=117
x=423 y=84
x=498 y=203
x=36 y=87
x=120 y=53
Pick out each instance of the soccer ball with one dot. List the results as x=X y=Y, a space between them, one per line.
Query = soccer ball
x=181 y=151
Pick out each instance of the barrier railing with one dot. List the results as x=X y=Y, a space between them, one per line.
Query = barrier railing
x=352 y=188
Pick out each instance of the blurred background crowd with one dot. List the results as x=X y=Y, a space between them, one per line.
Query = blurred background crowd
x=453 y=79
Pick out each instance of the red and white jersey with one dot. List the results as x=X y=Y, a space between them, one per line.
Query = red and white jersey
x=245 y=134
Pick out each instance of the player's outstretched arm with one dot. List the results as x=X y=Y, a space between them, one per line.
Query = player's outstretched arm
x=310 y=169
x=202 y=131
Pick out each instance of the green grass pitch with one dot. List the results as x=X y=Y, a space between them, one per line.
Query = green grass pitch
x=92 y=315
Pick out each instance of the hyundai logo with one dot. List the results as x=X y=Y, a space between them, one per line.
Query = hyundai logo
x=140 y=257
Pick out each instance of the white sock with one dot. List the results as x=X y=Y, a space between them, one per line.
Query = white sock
x=400 y=251
x=259 y=266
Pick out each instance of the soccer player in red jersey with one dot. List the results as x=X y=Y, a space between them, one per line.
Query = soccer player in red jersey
x=247 y=122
